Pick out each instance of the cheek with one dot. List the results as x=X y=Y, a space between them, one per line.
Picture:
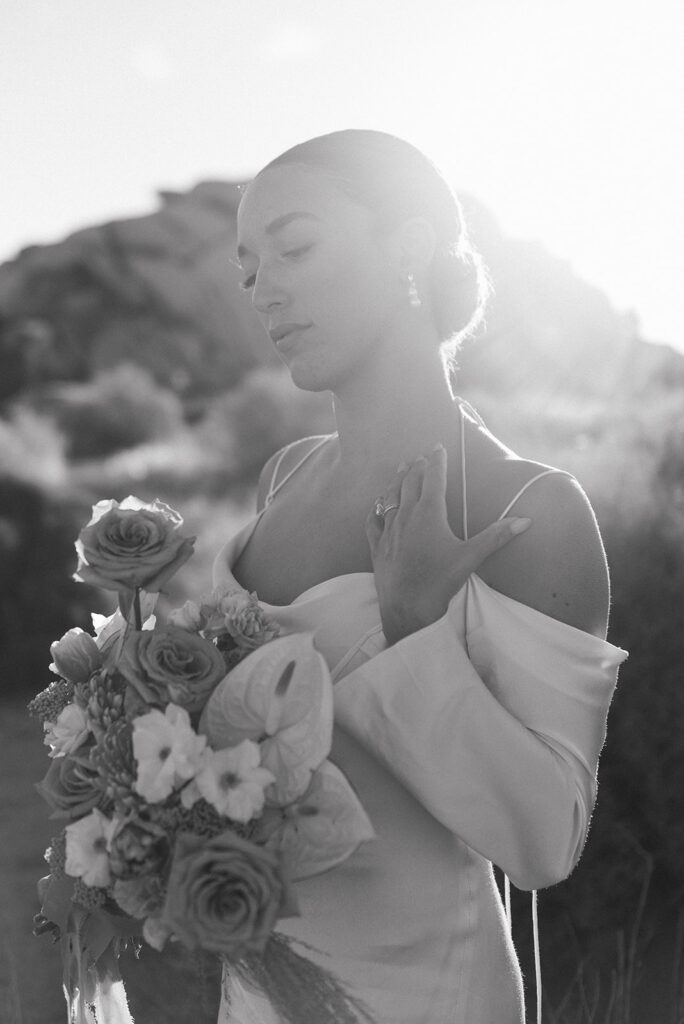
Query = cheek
x=352 y=291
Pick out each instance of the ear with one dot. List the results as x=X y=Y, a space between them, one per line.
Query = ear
x=413 y=245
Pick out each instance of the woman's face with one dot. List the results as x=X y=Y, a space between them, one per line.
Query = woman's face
x=320 y=275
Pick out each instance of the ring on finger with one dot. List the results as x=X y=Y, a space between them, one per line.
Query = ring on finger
x=381 y=510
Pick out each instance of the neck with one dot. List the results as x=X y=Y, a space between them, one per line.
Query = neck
x=394 y=415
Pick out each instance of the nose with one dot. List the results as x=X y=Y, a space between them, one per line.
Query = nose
x=267 y=293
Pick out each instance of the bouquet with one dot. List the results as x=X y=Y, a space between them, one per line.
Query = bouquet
x=189 y=775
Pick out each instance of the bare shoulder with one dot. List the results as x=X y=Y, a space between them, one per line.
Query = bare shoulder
x=558 y=566
x=282 y=463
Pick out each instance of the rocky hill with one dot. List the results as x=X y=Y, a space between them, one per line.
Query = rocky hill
x=161 y=291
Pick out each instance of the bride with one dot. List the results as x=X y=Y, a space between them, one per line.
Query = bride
x=458 y=593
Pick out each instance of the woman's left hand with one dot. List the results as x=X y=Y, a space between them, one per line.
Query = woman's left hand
x=419 y=563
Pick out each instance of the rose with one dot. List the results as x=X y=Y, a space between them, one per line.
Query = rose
x=172 y=665
x=76 y=656
x=131 y=544
x=225 y=894
x=71 y=787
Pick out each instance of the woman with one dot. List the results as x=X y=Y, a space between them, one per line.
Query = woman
x=459 y=593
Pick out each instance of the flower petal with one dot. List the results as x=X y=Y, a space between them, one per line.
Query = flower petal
x=282 y=695
x=325 y=826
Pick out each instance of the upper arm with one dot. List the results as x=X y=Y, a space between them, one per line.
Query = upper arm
x=558 y=566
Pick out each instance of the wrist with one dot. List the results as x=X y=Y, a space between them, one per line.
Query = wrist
x=402 y=621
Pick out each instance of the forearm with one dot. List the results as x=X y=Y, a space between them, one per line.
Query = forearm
x=501 y=774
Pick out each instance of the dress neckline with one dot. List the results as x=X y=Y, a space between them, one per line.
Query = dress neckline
x=239 y=544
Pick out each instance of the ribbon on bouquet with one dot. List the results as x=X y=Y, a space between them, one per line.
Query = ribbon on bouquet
x=93 y=986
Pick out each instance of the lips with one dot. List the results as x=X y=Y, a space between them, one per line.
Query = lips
x=281 y=331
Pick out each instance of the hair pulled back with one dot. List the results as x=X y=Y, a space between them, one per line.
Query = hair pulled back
x=396 y=182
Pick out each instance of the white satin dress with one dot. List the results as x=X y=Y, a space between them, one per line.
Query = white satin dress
x=471 y=742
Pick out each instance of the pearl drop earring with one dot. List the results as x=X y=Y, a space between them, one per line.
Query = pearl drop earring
x=413 y=296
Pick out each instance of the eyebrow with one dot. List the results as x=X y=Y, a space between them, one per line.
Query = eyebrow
x=278 y=224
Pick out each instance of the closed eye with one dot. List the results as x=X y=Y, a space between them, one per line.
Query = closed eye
x=297 y=252
x=248 y=282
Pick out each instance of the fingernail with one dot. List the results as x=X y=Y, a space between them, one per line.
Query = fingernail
x=520 y=524
x=438 y=447
x=402 y=466
x=421 y=458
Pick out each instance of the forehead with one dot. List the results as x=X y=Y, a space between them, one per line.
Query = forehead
x=294 y=188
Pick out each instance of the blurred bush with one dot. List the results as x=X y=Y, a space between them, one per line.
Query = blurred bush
x=118 y=409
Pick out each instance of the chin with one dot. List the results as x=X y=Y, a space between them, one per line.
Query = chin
x=308 y=381
x=308 y=374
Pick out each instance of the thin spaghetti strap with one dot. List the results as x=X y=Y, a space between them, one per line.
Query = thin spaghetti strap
x=464 y=494
x=546 y=472
x=275 y=484
x=274 y=474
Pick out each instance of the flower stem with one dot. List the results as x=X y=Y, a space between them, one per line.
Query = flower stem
x=136 y=609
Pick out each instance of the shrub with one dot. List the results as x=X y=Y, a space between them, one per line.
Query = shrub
x=118 y=409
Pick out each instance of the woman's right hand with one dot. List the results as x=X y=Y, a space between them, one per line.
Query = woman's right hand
x=418 y=562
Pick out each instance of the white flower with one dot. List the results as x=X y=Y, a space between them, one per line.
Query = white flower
x=68 y=732
x=86 y=849
x=232 y=781
x=188 y=617
x=282 y=697
x=168 y=751
x=110 y=628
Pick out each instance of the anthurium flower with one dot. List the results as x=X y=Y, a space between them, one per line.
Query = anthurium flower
x=168 y=752
x=323 y=827
x=132 y=544
x=232 y=781
x=86 y=849
x=68 y=733
x=75 y=656
x=280 y=695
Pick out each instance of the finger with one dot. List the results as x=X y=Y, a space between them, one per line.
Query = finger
x=392 y=495
x=494 y=537
x=374 y=526
x=412 y=483
x=435 y=478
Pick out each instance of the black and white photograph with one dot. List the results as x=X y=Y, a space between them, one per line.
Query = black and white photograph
x=341 y=512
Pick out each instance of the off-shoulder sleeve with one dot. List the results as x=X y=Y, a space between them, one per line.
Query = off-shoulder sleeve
x=496 y=728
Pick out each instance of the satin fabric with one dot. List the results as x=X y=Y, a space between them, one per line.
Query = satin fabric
x=475 y=740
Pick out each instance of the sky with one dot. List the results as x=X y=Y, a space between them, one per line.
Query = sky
x=564 y=118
